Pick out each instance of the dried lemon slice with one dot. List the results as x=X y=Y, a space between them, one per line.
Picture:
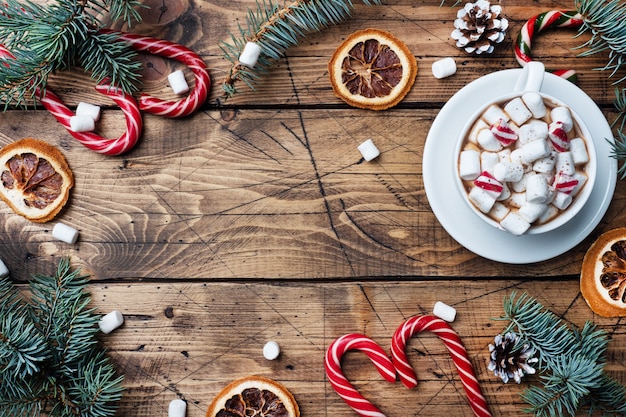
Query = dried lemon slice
x=254 y=396
x=372 y=69
x=35 y=179
x=603 y=276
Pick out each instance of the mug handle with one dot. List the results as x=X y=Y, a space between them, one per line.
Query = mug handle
x=531 y=78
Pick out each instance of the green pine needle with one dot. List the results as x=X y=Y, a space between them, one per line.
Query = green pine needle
x=50 y=361
x=571 y=362
x=38 y=40
x=275 y=28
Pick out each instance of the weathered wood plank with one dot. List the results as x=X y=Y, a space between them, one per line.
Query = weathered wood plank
x=190 y=339
x=247 y=193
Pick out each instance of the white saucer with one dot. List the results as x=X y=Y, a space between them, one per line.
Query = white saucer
x=452 y=210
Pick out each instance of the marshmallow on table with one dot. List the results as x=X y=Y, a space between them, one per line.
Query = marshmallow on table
x=518 y=111
x=508 y=171
x=177 y=408
x=515 y=224
x=444 y=311
x=563 y=115
x=82 y=123
x=579 y=151
x=177 y=82
x=4 y=271
x=65 y=233
x=111 y=321
x=271 y=350
x=88 y=109
x=535 y=104
x=469 y=165
x=368 y=150
x=444 y=68
x=250 y=54
x=482 y=199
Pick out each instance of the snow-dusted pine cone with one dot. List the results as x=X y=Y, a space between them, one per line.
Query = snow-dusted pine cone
x=479 y=27
x=509 y=361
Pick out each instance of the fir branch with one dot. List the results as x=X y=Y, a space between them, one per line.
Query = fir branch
x=571 y=362
x=37 y=41
x=276 y=28
x=604 y=20
x=62 y=370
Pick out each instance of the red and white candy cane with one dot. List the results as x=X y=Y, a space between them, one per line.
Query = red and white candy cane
x=332 y=364
x=116 y=146
x=459 y=356
x=166 y=49
x=554 y=18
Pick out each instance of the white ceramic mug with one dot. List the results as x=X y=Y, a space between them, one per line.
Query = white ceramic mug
x=531 y=80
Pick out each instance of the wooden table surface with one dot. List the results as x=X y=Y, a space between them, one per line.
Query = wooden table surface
x=256 y=219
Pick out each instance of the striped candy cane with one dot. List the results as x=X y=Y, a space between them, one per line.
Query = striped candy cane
x=166 y=49
x=117 y=146
x=554 y=18
x=459 y=356
x=340 y=383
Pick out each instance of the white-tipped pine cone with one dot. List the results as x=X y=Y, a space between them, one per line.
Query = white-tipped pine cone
x=479 y=27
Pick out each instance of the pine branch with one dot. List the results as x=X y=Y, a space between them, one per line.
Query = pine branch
x=276 y=28
x=50 y=362
x=604 y=19
x=40 y=40
x=571 y=362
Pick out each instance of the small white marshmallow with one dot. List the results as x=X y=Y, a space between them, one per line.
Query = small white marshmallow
x=550 y=213
x=545 y=165
x=494 y=114
x=499 y=211
x=271 y=350
x=469 y=165
x=537 y=190
x=533 y=130
x=488 y=161
x=535 y=104
x=88 y=109
x=478 y=126
x=488 y=141
x=579 y=151
x=65 y=233
x=565 y=163
x=518 y=111
x=515 y=224
x=111 y=321
x=444 y=311
x=505 y=194
x=444 y=68
x=250 y=54
x=563 y=115
x=562 y=200
x=177 y=82
x=508 y=171
x=368 y=150
x=82 y=123
x=535 y=150
x=483 y=200
x=177 y=408
x=531 y=211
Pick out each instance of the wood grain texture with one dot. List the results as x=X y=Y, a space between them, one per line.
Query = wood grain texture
x=256 y=219
x=189 y=339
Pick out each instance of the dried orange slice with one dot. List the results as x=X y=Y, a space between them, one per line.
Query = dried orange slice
x=254 y=396
x=603 y=276
x=35 y=179
x=372 y=69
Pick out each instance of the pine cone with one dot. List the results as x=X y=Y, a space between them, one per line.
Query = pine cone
x=479 y=27
x=508 y=360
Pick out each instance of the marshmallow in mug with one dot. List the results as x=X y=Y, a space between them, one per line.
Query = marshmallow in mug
x=528 y=165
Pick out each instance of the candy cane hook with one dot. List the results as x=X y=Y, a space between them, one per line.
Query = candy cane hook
x=458 y=352
x=166 y=49
x=340 y=383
